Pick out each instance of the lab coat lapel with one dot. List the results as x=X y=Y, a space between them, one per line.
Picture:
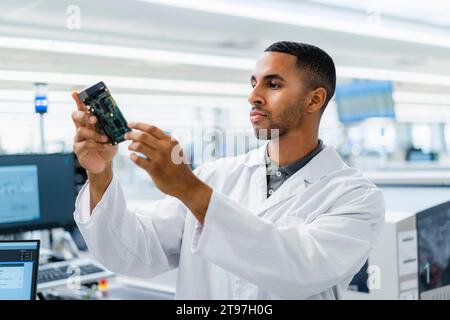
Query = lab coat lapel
x=326 y=162
x=258 y=184
x=291 y=187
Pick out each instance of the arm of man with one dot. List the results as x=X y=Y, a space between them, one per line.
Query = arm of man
x=141 y=243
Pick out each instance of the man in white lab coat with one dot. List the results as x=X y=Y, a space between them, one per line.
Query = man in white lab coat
x=288 y=220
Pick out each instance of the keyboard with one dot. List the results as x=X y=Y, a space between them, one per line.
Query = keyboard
x=61 y=273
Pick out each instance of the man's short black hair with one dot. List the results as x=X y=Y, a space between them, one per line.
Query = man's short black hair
x=318 y=65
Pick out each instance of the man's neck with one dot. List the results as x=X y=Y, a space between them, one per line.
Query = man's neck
x=291 y=147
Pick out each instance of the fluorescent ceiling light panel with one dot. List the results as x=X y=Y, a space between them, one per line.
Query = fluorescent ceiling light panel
x=120 y=52
x=199 y=87
x=265 y=13
x=132 y=101
x=393 y=75
x=421 y=98
x=434 y=12
x=203 y=87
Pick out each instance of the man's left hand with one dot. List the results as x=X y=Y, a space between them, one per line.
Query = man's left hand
x=166 y=164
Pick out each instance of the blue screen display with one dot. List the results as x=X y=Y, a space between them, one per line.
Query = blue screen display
x=19 y=193
x=37 y=191
x=358 y=101
x=18 y=268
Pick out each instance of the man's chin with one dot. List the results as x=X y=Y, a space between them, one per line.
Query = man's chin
x=265 y=133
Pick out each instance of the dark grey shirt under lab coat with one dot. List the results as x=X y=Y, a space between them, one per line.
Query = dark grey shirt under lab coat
x=276 y=175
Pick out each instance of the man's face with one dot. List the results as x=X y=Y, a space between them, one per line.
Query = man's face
x=278 y=95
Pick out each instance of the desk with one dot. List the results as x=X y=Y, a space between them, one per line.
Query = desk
x=125 y=288
x=161 y=287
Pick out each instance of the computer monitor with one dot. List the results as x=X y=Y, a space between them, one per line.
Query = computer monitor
x=433 y=234
x=360 y=100
x=37 y=191
x=19 y=263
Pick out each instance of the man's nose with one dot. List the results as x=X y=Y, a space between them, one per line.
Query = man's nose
x=255 y=98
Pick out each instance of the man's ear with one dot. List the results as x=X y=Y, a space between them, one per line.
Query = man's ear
x=316 y=99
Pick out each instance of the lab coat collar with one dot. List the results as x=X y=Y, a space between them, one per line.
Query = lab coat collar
x=256 y=156
x=324 y=163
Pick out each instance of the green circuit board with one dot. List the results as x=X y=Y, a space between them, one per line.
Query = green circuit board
x=110 y=120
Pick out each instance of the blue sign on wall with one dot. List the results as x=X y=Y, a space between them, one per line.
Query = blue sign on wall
x=40 y=104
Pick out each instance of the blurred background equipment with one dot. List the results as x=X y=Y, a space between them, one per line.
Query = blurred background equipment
x=361 y=100
x=412 y=258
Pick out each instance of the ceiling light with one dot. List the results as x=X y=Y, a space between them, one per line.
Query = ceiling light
x=296 y=18
x=135 y=83
x=393 y=75
x=123 y=52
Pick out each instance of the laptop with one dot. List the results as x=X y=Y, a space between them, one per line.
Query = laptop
x=19 y=263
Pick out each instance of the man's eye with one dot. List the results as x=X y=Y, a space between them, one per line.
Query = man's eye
x=274 y=85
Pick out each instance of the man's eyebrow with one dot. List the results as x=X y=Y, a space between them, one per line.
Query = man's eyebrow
x=269 y=77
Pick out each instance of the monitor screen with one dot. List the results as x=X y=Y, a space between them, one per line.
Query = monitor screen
x=36 y=191
x=433 y=230
x=19 y=193
x=19 y=262
x=361 y=100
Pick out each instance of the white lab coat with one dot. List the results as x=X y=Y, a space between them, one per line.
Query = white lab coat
x=306 y=241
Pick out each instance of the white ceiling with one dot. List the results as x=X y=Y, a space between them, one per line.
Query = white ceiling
x=433 y=12
x=174 y=26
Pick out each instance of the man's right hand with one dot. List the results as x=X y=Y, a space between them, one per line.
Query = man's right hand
x=93 y=151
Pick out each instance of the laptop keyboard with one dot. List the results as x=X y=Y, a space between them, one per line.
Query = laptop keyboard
x=67 y=271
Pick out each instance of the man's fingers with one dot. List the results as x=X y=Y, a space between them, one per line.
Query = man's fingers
x=85 y=133
x=144 y=137
x=82 y=118
x=141 y=162
x=154 y=131
x=80 y=105
x=144 y=149
x=88 y=145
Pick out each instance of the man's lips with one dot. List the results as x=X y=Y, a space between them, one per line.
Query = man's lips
x=255 y=113
x=256 y=116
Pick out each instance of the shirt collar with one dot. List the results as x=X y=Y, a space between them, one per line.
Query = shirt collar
x=292 y=168
x=323 y=164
